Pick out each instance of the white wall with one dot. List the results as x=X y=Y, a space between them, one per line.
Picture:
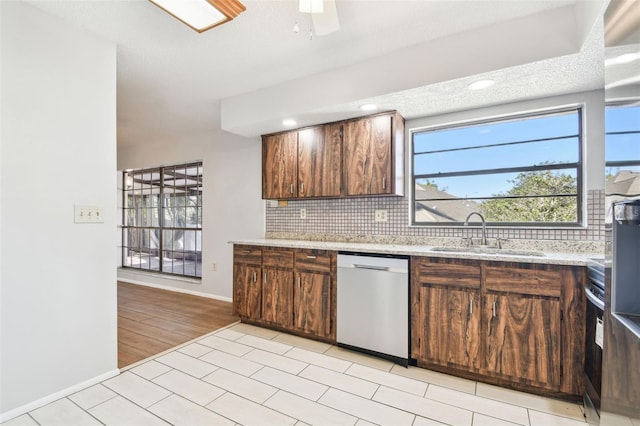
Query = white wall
x=232 y=205
x=58 y=148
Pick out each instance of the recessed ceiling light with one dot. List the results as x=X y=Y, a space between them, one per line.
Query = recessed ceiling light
x=622 y=59
x=481 y=84
x=289 y=122
x=368 y=107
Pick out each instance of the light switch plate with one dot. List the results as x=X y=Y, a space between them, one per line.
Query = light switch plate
x=88 y=214
x=303 y=213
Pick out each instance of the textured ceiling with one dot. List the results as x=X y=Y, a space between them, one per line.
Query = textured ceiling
x=173 y=81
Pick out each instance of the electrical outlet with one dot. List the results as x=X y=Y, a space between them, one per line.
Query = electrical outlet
x=381 y=215
x=303 y=213
x=214 y=266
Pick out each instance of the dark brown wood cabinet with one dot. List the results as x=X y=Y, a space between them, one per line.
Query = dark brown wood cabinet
x=280 y=166
x=522 y=313
x=446 y=313
x=294 y=290
x=320 y=161
x=277 y=286
x=357 y=157
x=313 y=293
x=247 y=282
x=498 y=322
x=369 y=155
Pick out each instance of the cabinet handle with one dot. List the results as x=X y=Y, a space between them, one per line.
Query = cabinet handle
x=292 y=188
x=494 y=309
x=301 y=187
x=384 y=183
x=255 y=277
x=299 y=281
x=246 y=252
x=471 y=305
x=264 y=278
x=311 y=257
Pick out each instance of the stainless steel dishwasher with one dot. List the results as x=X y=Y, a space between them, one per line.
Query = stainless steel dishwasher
x=373 y=305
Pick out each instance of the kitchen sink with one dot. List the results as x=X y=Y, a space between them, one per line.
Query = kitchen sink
x=489 y=250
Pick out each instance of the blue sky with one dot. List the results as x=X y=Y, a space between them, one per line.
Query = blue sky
x=526 y=154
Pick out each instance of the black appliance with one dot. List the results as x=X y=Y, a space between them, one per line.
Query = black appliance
x=594 y=290
x=620 y=402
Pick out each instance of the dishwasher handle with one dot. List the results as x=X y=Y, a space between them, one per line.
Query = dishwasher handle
x=374 y=267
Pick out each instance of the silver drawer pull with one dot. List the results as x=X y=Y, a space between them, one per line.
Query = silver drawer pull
x=377 y=268
x=494 y=309
x=471 y=305
x=292 y=188
x=311 y=257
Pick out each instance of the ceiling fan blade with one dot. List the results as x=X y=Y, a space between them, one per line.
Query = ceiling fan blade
x=327 y=21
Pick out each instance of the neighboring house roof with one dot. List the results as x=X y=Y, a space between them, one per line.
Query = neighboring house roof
x=626 y=183
x=440 y=206
x=623 y=186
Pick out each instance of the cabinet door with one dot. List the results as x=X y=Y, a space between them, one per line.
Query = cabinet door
x=280 y=166
x=367 y=156
x=312 y=303
x=523 y=338
x=449 y=327
x=247 y=291
x=277 y=296
x=320 y=161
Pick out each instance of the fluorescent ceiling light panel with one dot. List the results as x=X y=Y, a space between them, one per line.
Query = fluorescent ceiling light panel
x=201 y=15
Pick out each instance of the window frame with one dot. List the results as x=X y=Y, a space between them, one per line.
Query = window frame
x=620 y=104
x=160 y=209
x=578 y=166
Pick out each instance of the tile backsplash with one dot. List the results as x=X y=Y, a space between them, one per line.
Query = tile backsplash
x=352 y=219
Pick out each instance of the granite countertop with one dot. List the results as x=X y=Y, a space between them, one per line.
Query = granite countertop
x=506 y=255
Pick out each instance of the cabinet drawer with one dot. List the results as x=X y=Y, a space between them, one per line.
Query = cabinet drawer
x=535 y=282
x=247 y=254
x=313 y=260
x=449 y=272
x=277 y=258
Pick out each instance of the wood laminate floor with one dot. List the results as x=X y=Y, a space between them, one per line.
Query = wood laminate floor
x=151 y=320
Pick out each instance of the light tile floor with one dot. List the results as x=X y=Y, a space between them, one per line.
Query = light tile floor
x=253 y=376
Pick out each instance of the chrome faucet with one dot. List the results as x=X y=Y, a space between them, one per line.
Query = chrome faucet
x=484 y=226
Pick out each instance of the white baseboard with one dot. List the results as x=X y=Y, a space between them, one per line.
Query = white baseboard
x=55 y=396
x=177 y=290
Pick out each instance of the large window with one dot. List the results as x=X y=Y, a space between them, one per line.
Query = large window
x=521 y=170
x=622 y=152
x=162 y=219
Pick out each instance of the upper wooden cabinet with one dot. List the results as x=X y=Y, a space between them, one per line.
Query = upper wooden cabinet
x=280 y=166
x=320 y=161
x=369 y=155
x=357 y=157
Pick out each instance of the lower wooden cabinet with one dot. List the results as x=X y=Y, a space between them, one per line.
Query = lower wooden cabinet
x=446 y=314
x=523 y=339
x=277 y=286
x=247 y=282
x=503 y=323
x=312 y=302
x=294 y=289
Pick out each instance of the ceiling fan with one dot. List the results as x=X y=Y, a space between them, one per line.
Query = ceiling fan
x=323 y=14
